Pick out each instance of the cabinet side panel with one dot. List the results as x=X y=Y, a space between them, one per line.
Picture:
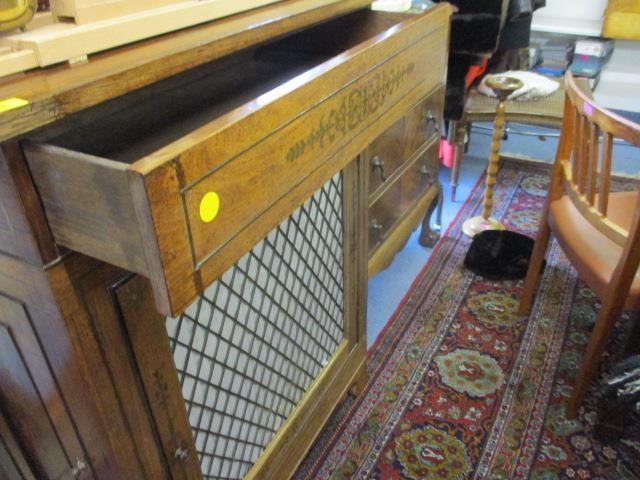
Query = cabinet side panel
x=13 y=463
x=58 y=350
x=88 y=204
x=16 y=237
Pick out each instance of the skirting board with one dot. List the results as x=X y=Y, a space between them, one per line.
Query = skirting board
x=62 y=42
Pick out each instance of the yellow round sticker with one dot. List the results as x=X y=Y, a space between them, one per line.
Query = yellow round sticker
x=209 y=207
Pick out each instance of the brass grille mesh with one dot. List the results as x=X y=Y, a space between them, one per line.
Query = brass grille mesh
x=249 y=348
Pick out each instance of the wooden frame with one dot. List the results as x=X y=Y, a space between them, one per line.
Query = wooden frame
x=66 y=41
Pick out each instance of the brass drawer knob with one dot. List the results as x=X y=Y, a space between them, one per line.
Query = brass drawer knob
x=79 y=467
x=424 y=170
x=182 y=454
x=378 y=164
x=429 y=118
x=375 y=225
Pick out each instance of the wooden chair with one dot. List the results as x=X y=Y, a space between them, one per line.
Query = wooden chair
x=598 y=230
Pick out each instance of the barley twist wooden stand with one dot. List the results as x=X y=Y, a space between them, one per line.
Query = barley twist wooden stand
x=503 y=87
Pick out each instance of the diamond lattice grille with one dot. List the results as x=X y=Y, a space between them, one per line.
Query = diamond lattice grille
x=249 y=348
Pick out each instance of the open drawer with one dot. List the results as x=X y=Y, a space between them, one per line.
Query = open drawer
x=177 y=180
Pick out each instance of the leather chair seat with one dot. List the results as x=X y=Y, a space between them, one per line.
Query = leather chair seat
x=595 y=259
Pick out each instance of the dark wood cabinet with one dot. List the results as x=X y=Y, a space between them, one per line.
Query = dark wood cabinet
x=31 y=399
x=26 y=389
x=13 y=462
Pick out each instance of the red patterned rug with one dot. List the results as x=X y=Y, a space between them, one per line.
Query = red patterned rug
x=462 y=388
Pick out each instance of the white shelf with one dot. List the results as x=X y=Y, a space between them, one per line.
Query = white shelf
x=573 y=17
x=571 y=26
x=620 y=77
x=617 y=95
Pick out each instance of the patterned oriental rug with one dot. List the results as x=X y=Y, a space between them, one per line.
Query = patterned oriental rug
x=460 y=388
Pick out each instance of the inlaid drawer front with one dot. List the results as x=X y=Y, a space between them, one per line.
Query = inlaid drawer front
x=396 y=145
x=295 y=151
x=413 y=182
x=176 y=181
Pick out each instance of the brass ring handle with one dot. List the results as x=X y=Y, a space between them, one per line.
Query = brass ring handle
x=376 y=227
x=378 y=164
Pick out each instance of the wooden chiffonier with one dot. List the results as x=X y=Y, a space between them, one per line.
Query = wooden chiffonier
x=185 y=229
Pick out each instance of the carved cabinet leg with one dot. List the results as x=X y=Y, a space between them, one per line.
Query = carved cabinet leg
x=360 y=381
x=429 y=235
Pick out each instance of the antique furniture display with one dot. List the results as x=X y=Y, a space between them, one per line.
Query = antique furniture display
x=599 y=230
x=546 y=112
x=184 y=238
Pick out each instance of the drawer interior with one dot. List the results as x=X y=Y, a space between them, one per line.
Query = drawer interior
x=141 y=122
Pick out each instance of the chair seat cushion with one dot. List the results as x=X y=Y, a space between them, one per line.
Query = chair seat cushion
x=592 y=254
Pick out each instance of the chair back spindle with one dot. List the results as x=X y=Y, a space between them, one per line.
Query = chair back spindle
x=592 y=162
x=605 y=174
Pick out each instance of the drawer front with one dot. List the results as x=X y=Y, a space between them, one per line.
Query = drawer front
x=207 y=215
x=396 y=145
x=414 y=180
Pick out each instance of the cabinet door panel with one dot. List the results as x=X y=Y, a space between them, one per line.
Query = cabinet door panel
x=15 y=234
x=13 y=464
x=28 y=391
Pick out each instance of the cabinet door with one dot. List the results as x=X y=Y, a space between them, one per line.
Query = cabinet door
x=13 y=463
x=16 y=238
x=27 y=389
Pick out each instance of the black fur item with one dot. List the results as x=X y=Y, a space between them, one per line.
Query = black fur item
x=499 y=255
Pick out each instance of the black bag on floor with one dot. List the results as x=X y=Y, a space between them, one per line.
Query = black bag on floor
x=499 y=255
